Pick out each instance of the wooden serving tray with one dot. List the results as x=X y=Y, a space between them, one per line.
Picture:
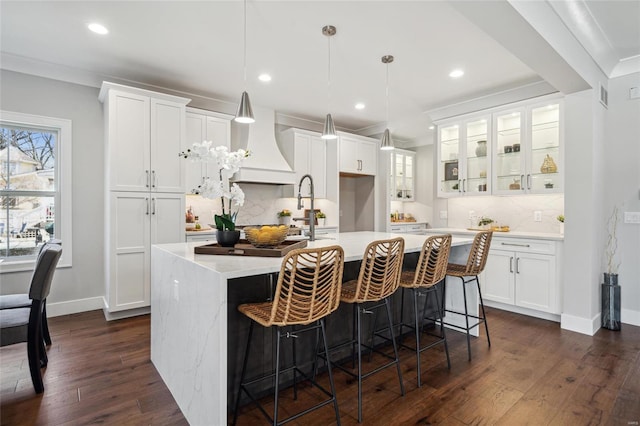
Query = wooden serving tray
x=245 y=248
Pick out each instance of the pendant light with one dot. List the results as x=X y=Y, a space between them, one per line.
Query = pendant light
x=387 y=141
x=245 y=113
x=329 y=129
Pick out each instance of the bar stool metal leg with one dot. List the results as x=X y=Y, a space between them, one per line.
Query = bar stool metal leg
x=442 y=331
x=395 y=346
x=484 y=316
x=244 y=370
x=466 y=316
x=331 y=383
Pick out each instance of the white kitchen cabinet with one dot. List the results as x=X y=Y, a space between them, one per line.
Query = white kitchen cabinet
x=528 y=149
x=402 y=175
x=202 y=125
x=306 y=152
x=408 y=228
x=523 y=273
x=144 y=132
x=358 y=155
x=464 y=156
x=136 y=221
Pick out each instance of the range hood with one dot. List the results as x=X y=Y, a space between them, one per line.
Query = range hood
x=266 y=164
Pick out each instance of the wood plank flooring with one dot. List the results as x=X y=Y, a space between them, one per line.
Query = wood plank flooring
x=534 y=373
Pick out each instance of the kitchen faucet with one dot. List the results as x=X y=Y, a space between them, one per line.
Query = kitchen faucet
x=312 y=213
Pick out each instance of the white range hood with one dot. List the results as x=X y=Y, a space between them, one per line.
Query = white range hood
x=266 y=163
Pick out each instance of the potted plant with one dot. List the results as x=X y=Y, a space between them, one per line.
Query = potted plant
x=227 y=163
x=321 y=218
x=561 y=220
x=485 y=222
x=284 y=216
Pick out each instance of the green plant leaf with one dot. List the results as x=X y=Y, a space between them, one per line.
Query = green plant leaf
x=224 y=222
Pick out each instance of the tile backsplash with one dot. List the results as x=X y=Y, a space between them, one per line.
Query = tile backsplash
x=515 y=211
x=261 y=206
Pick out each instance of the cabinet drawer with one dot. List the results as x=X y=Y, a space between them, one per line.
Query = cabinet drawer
x=398 y=228
x=524 y=245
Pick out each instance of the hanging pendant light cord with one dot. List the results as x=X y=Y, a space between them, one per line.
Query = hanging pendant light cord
x=387 y=94
x=329 y=76
x=245 y=44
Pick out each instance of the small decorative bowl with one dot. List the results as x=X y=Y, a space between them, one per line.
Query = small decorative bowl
x=266 y=236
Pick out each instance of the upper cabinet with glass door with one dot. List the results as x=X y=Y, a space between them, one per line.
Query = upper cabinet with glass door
x=464 y=153
x=402 y=175
x=528 y=150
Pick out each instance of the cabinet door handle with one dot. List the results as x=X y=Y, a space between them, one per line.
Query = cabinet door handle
x=147 y=200
x=529 y=181
x=516 y=245
x=153 y=206
x=464 y=185
x=511 y=264
x=148 y=180
x=517 y=265
x=522 y=182
x=459 y=185
x=153 y=184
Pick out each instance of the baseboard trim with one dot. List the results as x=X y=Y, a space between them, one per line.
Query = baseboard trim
x=631 y=317
x=73 y=306
x=128 y=313
x=523 y=311
x=580 y=325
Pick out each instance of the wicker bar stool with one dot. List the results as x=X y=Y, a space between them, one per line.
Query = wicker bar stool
x=308 y=290
x=468 y=273
x=378 y=279
x=430 y=270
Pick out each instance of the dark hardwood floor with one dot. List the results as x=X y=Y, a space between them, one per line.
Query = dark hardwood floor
x=535 y=373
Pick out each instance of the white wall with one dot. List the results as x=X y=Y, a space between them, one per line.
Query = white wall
x=622 y=186
x=80 y=287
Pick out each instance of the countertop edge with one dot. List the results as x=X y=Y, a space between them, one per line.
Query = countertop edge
x=510 y=234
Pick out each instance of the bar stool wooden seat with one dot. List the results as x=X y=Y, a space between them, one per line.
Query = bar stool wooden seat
x=468 y=273
x=378 y=279
x=430 y=270
x=308 y=289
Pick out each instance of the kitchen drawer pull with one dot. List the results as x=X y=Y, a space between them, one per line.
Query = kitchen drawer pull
x=516 y=245
x=511 y=264
x=517 y=265
x=528 y=181
x=522 y=182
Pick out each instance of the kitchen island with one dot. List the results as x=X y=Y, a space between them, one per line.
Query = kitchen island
x=191 y=308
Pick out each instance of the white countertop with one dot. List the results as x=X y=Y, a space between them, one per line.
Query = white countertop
x=353 y=244
x=510 y=234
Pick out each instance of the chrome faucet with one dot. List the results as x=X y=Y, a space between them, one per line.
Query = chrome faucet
x=312 y=213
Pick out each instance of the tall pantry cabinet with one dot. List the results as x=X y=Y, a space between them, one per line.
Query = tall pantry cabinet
x=144 y=132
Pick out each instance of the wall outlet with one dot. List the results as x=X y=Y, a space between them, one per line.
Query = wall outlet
x=631 y=217
x=444 y=214
x=537 y=216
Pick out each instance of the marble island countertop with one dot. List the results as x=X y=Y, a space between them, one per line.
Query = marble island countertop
x=510 y=234
x=353 y=244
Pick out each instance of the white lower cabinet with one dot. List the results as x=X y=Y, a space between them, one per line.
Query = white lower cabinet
x=523 y=273
x=137 y=220
x=408 y=228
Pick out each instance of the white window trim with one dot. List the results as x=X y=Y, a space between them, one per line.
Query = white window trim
x=63 y=183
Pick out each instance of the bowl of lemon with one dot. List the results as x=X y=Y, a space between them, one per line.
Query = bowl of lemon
x=266 y=236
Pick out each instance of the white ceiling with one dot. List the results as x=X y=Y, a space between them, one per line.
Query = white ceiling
x=196 y=47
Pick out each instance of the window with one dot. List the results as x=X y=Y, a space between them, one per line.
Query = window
x=35 y=187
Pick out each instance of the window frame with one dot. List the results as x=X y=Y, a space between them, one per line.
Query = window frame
x=62 y=193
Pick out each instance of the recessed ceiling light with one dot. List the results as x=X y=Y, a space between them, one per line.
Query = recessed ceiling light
x=264 y=78
x=432 y=127
x=98 y=28
x=360 y=105
x=456 y=73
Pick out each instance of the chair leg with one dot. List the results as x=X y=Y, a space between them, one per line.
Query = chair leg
x=359 y=333
x=442 y=331
x=277 y=377
x=45 y=325
x=244 y=370
x=387 y=303
x=331 y=383
x=484 y=316
x=295 y=370
x=417 y=330
x=466 y=316
x=34 y=342
x=354 y=330
x=401 y=315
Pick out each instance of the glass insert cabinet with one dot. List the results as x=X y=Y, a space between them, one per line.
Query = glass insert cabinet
x=402 y=175
x=508 y=151
x=464 y=157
